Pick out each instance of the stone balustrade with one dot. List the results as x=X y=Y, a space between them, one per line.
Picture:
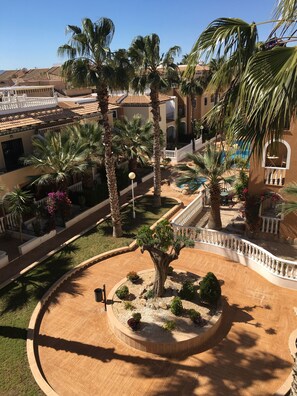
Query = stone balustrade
x=275 y=269
x=20 y=103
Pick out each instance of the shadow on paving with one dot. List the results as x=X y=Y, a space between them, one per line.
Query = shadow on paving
x=229 y=371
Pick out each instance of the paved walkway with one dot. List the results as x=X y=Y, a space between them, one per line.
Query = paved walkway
x=80 y=355
x=20 y=263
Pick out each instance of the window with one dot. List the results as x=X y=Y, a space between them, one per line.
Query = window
x=12 y=151
x=212 y=98
x=114 y=114
x=205 y=101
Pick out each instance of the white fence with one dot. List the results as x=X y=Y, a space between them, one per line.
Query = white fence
x=8 y=221
x=277 y=270
x=178 y=155
x=275 y=176
x=147 y=177
x=270 y=224
x=20 y=103
x=191 y=211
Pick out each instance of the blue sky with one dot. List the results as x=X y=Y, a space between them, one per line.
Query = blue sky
x=32 y=30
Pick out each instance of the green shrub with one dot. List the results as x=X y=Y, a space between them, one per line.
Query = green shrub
x=169 y=325
x=176 y=306
x=122 y=292
x=187 y=291
x=132 y=276
x=149 y=294
x=136 y=316
x=129 y=306
x=210 y=289
x=194 y=315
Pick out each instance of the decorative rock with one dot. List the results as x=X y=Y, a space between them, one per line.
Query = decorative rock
x=142 y=301
x=162 y=305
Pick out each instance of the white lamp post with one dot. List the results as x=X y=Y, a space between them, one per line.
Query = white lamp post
x=132 y=177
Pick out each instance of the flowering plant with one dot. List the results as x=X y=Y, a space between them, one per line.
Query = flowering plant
x=57 y=200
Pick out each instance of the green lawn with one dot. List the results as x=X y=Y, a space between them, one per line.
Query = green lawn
x=18 y=300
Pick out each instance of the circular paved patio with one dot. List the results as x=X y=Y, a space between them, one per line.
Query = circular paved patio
x=79 y=355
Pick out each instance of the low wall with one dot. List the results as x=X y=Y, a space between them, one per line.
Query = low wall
x=147 y=177
x=35 y=242
x=3 y=259
x=250 y=263
x=86 y=213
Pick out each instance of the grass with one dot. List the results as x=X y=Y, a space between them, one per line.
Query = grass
x=18 y=300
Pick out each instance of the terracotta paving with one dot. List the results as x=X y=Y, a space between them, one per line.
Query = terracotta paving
x=79 y=354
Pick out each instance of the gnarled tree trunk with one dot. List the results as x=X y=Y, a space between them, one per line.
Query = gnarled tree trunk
x=102 y=95
x=154 y=95
x=161 y=262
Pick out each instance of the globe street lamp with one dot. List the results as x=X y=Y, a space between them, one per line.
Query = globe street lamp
x=132 y=177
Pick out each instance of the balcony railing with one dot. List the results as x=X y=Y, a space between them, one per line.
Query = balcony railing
x=270 y=224
x=275 y=176
x=20 y=103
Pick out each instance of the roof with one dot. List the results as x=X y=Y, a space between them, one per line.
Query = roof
x=136 y=99
x=64 y=112
x=197 y=68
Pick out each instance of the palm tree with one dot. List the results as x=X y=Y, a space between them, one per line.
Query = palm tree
x=133 y=139
x=18 y=202
x=58 y=156
x=91 y=63
x=192 y=87
x=209 y=166
x=291 y=206
x=259 y=79
x=90 y=134
x=154 y=71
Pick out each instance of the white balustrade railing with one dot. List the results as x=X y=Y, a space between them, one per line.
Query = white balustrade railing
x=280 y=267
x=8 y=221
x=20 y=103
x=180 y=154
x=270 y=224
x=275 y=176
x=191 y=211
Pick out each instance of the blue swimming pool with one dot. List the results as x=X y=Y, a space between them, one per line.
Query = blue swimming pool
x=194 y=185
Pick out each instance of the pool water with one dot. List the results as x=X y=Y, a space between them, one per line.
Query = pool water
x=194 y=185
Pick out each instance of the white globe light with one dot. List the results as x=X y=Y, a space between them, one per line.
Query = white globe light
x=131 y=175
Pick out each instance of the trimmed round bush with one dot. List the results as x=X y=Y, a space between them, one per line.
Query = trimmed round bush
x=122 y=292
x=187 y=291
x=210 y=289
x=176 y=306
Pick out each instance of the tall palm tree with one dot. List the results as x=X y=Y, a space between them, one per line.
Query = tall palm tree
x=259 y=79
x=290 y=206
x=91 y=63
x=155 y=71
x=58 y=156
x=210 y=166
x=192 y=87
x=133 y=139
x=18 y=202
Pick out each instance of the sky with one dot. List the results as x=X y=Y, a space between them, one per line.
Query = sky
x=32 y=30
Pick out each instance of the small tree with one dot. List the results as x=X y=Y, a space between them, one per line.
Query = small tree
x=163 y=247
x=18 y=202
x=210 y=289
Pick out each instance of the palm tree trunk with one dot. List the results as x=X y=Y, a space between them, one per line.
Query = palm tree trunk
x=154 y=95
x=102 y=95
x=214 y=221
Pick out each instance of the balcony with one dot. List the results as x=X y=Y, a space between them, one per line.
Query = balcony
x=274 y=176
x=16 y=104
